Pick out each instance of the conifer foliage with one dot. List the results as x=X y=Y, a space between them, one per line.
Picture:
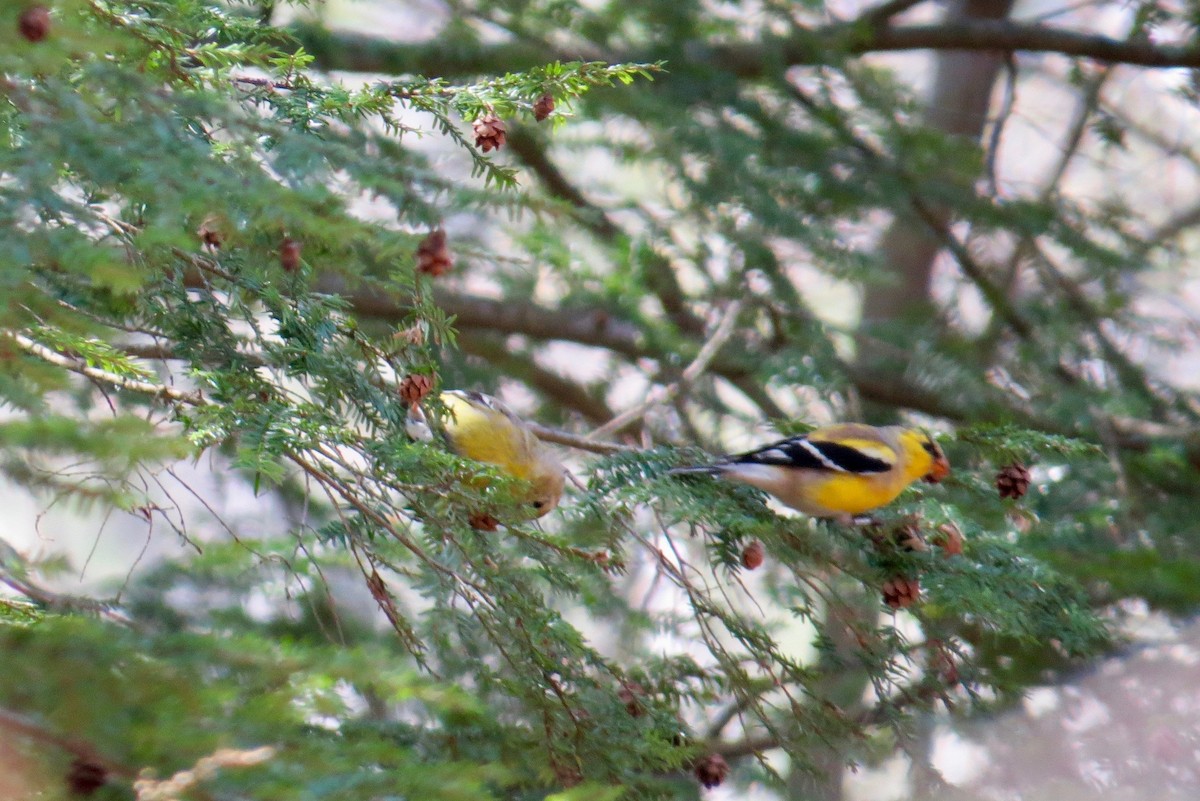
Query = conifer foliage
x=215 y=250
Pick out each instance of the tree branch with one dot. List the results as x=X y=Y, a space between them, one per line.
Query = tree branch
x=692 y=372
x=50 y=356
x=602 y=330
x=20 y=725
x=525 y=146
x=558 y=437
x=562 y=390
x=360 y=53
x=659 y=273
x=1019 y=37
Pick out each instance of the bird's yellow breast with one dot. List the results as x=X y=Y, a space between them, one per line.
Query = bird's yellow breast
x=854 y=495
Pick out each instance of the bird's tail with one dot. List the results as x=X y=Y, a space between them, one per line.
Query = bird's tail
x=696 y=470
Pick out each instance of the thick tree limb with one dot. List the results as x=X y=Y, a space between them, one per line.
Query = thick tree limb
x=360 y=53
x=1018 y=37
x=524 y=144
x=471 y=312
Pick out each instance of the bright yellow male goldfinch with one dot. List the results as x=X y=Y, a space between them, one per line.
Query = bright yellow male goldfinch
x=837 y=471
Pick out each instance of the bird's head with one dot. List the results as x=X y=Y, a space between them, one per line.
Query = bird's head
x=546 y=486
x=925 y=457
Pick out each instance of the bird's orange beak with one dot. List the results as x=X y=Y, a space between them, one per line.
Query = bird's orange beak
x=939 y=470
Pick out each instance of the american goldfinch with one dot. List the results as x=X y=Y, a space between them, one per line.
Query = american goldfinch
x=837 y=471
x=482 y=428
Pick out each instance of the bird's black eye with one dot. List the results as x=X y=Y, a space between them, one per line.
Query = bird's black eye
x=538 y=504
x=931 y=447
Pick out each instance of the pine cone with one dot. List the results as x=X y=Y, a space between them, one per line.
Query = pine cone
x=84 y=777
x=949 y=539
x=490 y=133
x=210 y=233
x=908 y=536
x=631 y=695
x=608 y=561
x=900 y=592
x=1013 y=481
x=289 y=255
x=413 y=335
x=415 y=387
x=752 y=555
x=944 y=667
x=483 y=522
x=544 y=107
x=433 y=257
x=34 y=23
x=568 y=775
x=711 y=770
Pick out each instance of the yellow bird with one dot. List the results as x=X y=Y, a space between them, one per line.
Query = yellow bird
x=482 y=428
x=837 y=471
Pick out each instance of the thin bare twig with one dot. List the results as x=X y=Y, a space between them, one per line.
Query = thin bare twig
x=583 y=443
x=693 y=371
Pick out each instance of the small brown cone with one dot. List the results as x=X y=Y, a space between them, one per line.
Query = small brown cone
x=943 y=665
x=483 y=522
x=210 y=233
x=1013 y=481
x=490 y=132
x=383 y=597
x=753 y=555
x=908 y=536
x=711 y=770
x=543 y=107
x=84 y=778
x=900 y=592
x=433 y=256
x=415 y=387
x=289 y=254
x=34 y=23
x=631 y=695
x=568 y=775
x=949 y=539
x=413 y=335
x=608 y=562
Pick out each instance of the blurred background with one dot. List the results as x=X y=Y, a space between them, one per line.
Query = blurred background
x=977 y=216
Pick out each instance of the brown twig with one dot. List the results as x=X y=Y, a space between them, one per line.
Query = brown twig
x=693 y=371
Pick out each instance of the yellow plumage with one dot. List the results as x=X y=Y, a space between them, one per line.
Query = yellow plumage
x=838 y=471
x=482 y=428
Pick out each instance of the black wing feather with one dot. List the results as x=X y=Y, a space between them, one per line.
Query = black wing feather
x=814 y=455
